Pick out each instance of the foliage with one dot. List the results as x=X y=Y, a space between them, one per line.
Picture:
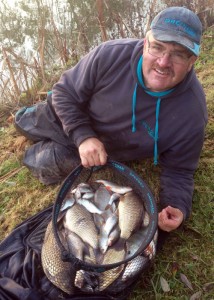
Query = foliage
x=52 y=35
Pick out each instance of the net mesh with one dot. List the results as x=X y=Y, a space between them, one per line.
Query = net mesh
x=127 y=258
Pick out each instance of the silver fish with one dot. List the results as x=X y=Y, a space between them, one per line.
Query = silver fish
x=91 y=207
x=109 y=211
x=101 y=197
x=99 y=221
x=79 y=220
x=82 y=188
x=88 y=195
x=113 y=236
x=130 y=210
x=68 y=203
x=113 y=187
x=134 y=242
x=105 y=232
x=114 y=197
x=103 y=241
x=134 y=267
x=75 y=244
x=110 y=223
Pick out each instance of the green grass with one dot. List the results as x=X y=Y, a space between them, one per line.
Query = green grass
x=188 y=251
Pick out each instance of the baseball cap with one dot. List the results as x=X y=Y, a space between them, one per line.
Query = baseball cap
x=179 y=25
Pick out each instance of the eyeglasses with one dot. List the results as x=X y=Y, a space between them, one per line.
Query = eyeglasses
x=158 y=50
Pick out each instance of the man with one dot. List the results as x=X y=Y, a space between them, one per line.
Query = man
x=131 y=99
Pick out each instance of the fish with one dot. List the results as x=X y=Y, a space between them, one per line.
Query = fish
x=75 y=244
x=146 y=219
x=114 y=254
x=87 y=281
x=107 y=233
x=99 y=221
x=88 y=195
x=60 y=273
x=155 y=238
x=150 y=250
x=109 y=211
x=67 y=203
x=103 y=241
x=130 y=210
x=114 y=197
x=102 y=197
x=114 y=236
x=80 y=221
x=81 y=188
x=80 y=280
x=91 y=207
x=113 y=187
x=134 y=267
x=134 y=242
x=84 y=187
x=110 y=223
x=102 y=223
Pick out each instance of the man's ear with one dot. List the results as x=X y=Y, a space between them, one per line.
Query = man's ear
x=193 y=59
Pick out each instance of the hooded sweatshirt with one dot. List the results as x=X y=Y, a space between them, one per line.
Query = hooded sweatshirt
x=103 y=96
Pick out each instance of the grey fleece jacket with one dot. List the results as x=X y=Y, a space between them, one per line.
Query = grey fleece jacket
x=94 y=99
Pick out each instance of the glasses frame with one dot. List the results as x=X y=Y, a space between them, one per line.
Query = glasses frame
x=185 y=60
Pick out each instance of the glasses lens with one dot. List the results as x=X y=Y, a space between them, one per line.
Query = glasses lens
x=176 y=57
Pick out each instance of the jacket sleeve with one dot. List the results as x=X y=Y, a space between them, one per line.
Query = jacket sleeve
x=71 y=95
x=178 y=166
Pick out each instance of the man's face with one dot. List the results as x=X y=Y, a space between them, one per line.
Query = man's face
x=163 y=73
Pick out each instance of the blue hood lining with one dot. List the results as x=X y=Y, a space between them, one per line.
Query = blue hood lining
x=157 y=95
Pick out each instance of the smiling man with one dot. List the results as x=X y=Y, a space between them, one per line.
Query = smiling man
x=165 y=63
x=132 y=99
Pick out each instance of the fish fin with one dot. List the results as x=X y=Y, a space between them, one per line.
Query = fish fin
x=108 y=188
x=108 y=206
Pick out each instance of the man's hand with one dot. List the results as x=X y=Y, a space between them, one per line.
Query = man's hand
x=170 y=218
x=92 y=153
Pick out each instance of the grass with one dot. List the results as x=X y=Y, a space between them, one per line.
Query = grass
x=188 y=251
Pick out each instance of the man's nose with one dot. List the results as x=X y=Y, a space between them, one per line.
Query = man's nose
x=165 y=60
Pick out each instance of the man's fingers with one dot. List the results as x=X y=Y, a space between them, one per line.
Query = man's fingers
x=102 y=158
x=93 y=160
x=84 y=161
x=170 y=218
x=92 y=153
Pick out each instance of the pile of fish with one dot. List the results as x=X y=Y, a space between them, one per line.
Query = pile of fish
x=100 y=223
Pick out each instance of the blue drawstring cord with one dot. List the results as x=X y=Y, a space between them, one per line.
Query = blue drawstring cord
x=157 y=112
x=156 y=131
x=134 y=101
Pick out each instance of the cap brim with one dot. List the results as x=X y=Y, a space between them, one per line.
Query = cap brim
x=165 y=36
